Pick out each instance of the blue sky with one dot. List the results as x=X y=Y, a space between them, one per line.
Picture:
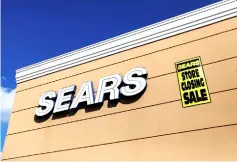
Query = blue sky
x=35 y=30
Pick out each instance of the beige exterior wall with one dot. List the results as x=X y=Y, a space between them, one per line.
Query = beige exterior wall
x=155 y=127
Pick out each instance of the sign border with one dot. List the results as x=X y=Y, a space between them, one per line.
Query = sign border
x=176 y=70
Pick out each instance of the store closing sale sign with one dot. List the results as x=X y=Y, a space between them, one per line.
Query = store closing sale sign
x=192 y=82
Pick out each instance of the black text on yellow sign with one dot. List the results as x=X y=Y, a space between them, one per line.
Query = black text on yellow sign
x=192 y=82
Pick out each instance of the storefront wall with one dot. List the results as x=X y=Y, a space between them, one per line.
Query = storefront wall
x=153 y=127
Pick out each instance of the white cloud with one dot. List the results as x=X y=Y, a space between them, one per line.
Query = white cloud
x=6 y=102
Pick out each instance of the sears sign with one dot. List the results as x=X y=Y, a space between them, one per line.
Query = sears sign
x=114 y=86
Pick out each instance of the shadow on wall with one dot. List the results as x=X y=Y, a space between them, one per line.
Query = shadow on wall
x=90 y=108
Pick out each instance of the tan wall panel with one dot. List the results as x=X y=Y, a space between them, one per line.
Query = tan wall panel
x=155 y=87
x=159 y=45
x=210 y=49
x=216 y=80
x=210 y=144
x=156 y=120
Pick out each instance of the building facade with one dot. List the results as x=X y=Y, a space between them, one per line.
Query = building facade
x=152 y=126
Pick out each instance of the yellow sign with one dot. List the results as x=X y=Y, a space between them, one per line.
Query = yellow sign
x=192 y=82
